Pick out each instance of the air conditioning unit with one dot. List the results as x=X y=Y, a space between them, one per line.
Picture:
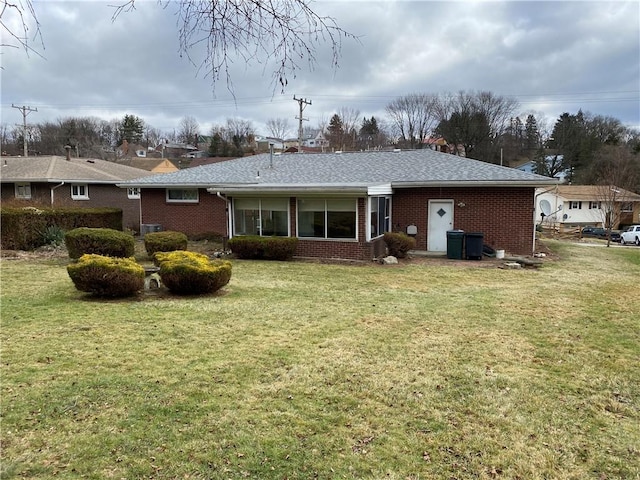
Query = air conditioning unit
x=149 y=228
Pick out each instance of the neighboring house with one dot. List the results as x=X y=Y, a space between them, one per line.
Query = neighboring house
x=263 y=144
x=312 y=139
x=339 y=205
x=529 y=166
x=586 y=205
x=155 y=165
x=174 y=150
x=71 y=182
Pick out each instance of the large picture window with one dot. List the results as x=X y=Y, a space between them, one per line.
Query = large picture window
x=327 y=218
x=380 y=216
x=266 y=217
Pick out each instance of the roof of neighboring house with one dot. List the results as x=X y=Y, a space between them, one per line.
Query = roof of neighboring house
x=58 y=169
x=594 y=192
x=148 y=164
x=198 y=162
x=343 y=172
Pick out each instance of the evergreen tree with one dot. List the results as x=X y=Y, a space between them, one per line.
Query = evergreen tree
x=532 y=133
x=131 y=129
x=336 y=131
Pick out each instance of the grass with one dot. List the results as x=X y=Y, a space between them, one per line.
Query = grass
x=304 y=370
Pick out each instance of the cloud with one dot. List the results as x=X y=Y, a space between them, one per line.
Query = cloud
x=551 y=56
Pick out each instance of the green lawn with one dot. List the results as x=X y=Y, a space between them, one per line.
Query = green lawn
x=302 y=370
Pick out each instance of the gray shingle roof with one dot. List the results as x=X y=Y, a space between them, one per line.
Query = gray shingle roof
x=57 y=169
x=355 y=170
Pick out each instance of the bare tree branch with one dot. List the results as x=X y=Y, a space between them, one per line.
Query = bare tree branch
x=18 y=19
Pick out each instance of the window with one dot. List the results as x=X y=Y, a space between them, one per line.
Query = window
x=23 y=191
x=593 y=205
x=80 y=191
x=327 y=218
x=380 y=219
x=133 y=193
x=184 y=195
x=626 y=207
x=261 y=216
x=573 y=205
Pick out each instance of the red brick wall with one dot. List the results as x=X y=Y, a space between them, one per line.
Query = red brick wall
x=206 y=216
x=503 y=214
x=99 y=196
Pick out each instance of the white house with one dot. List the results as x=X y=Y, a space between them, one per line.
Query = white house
x=582 y=205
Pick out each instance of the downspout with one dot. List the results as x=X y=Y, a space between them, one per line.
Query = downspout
x=228 y=214
x=61 y=184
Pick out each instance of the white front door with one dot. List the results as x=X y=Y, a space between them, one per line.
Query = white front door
x=440 y=220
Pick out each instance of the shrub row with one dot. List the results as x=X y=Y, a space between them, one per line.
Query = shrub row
x=107 y=276
x=189 y=273
x=99 y=241
x=27 y=228
x=399 y=244
x=266 y=248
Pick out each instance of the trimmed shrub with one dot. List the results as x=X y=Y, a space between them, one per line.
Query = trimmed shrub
x=164 y=242
x=99 y=241
x=22 y=227
x=263 y=248
x=399 y=243
x=107 y=276
x=190 y=273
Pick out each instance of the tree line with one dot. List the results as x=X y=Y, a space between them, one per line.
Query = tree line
x=479 y=125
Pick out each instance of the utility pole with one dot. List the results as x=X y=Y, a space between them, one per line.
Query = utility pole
x=25 y=111
x=303 y=103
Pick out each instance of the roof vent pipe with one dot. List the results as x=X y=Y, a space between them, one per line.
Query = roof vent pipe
x=271 y=155
x=68 y=149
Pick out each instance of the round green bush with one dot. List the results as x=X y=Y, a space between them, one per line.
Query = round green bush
x=164 y=242
x=107 y=276
x=99 y=241
x=190 y=273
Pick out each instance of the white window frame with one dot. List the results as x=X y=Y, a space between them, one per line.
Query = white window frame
x=133 y=193
x=326 y=225
x=182 y=200
x=23 y=190
x=259 y=220
x=79 y=191
x=387 y=218
x=575 y=205
x=595 y=205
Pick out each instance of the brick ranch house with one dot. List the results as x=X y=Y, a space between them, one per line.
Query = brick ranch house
x=56 y=181
x=340 y=204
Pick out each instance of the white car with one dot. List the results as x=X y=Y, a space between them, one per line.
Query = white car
x=631 y=235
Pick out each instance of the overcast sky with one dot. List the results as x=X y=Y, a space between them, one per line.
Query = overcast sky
x=553 y=57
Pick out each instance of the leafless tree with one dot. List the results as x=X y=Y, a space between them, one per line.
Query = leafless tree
x=278 y=127
x=288 y=32
x=241 y=129
x=20 y=25
x=618 y=171
x=413 y=118
x=188 y=130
